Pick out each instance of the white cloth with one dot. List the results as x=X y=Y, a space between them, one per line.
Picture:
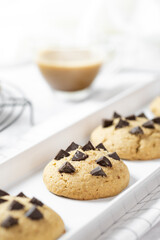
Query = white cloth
x=138 y=220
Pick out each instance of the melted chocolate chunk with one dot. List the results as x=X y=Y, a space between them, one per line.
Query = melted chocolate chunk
x=37 y=202
x=98 y=171
x=34 y=214
x=79 y=156
x=107 y=123
x=114 y=155
x=101 y=146
x=61 y=154
x=149 y=124
x=15 y=205
x=88 y=147
x=72 y=146
x=3 y=193
x=103 y=161
x=136 y=130
x=21 y=194
x=2 y=200
x=156 y=120
x=141 y=115
x=122 y=124
x=116 y=115
x=131 y=117
x=9 y=222
x=66 y=168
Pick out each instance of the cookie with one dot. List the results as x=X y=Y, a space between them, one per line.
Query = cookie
x=132 y=137
x=155 y=106
x=87 y=173
x=27 y=219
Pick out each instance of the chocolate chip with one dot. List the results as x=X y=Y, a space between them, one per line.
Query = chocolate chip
x=149 y=124
x=103 y=161
x=106 y=123
x=2 y=200
x=21 y=194
x=141 y=115
x=88 y=147
x=72 y=146
x=9 y=222
x=136 y=130
x=114 y=155
x=34 y=214
x=66 y=168
x=156 y=120
x=61 y=154
x=3 y=193
x=98 y=171
x=37 y=202
x=116 y=115
x=15 y=205
x=122 y=123
x=131 y=117
x=79 y=156
x=101 y=146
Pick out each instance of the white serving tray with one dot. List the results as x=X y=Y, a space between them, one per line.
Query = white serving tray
x=82 y=218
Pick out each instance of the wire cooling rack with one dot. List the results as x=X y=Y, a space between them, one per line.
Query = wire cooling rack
x=12 y=105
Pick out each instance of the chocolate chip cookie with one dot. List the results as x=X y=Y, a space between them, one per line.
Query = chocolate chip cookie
x=132 y=137
x=86 y=172
x=155 y=106
x=22 y=218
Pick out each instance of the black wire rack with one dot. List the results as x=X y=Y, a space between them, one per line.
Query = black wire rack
x=12 y=105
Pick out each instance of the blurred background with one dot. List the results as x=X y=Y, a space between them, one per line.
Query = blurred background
x=129 y=26
x=127 y=31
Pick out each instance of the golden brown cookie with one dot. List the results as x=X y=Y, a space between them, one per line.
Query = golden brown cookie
x=22 y=218
x=155 y=106
x=133 y=138
x=86 y=173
